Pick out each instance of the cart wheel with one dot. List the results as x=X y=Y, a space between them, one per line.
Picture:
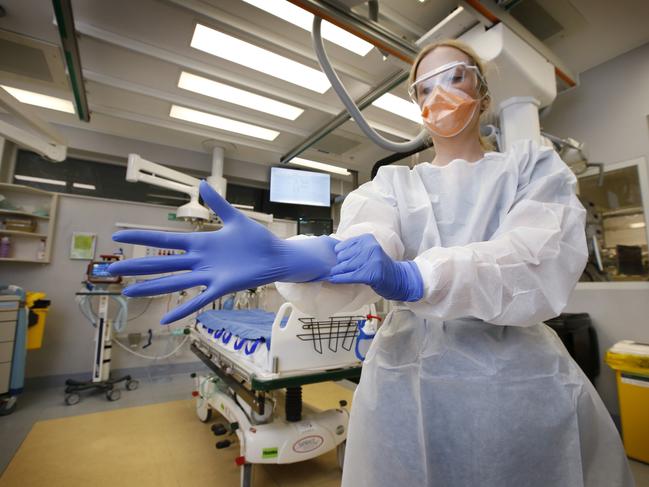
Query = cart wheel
x=8 y=406
x=340 y=454
x=132 y=384
x=203 y=410
x=113 y=395
x=72 y=398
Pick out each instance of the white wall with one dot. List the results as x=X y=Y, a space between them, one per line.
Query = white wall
x=609 y=111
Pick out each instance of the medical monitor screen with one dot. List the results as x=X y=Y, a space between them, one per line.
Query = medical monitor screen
x=100 y=269
x=299 y=187
x=98 y=273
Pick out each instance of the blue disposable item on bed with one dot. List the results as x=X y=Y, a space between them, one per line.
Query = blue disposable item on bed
x=250 y=324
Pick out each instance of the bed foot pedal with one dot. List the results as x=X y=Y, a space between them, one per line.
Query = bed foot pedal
x=223 y=444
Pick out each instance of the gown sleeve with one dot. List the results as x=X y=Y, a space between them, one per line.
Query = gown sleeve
x=525 y=273
x=372 y=208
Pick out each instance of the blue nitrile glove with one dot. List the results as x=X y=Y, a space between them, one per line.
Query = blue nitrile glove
x=241 y=255
x=362 y=260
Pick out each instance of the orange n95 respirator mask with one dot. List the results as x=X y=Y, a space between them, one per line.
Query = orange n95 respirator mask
x=449 y=97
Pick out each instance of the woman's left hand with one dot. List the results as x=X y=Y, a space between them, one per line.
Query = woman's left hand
x=361 y=260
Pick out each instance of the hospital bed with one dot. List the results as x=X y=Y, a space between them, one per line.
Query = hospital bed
x=259 y=362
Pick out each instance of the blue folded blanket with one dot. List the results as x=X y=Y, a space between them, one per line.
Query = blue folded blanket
x=250 y=324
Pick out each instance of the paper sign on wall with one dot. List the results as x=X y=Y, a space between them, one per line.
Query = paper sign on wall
x=82 y=246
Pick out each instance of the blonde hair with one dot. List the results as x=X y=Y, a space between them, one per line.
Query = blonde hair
x=474 y=58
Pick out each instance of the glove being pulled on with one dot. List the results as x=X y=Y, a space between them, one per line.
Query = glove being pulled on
x=241 y=255
x=362 y=260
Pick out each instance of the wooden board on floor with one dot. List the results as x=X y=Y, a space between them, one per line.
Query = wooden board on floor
x=160 y=445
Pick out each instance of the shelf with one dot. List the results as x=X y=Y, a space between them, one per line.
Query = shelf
x=21 y=188
x=22 y=213
x=23 y=234
x=11 y=259
x=33 y=200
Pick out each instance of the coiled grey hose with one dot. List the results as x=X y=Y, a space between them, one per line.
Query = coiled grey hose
x=351 y=107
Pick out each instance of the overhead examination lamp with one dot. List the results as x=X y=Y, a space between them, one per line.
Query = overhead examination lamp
x=141 y=170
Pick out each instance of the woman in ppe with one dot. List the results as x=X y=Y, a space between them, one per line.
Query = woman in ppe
x=462 y=385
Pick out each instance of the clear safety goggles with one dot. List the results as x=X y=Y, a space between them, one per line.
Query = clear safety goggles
x=458 y=74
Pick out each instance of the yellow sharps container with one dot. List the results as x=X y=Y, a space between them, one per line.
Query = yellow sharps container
x=38 y=309
x=630 y=360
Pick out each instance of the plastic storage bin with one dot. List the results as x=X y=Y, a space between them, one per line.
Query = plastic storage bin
x=580 y=339
x=630 y=360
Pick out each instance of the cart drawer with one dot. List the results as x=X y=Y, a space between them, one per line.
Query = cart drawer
x=6 y=351
x=8 y=314
x=7 y=331
x=9 y=302
x=5 y=371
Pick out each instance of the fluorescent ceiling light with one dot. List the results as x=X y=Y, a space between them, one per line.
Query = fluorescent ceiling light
x=637 y=225
x=398 y=106
x=243 y=207
x=298 y=161
x=237 y=51
x=222 y=123
x=32 y=179
x=300 y=17
x=166 y=196
x=84 y=186
x=230 y=94
x=39 y=100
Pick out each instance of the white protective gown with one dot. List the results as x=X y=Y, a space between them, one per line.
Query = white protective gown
x=467 y=387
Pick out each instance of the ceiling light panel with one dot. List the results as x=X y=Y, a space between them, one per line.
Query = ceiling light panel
x=222 y=123
x=230 y=94
x=298 y=161
x=40 y=100
x=303 y=19
x=250 y=56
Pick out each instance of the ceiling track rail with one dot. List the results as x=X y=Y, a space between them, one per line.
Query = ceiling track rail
x=67 y=33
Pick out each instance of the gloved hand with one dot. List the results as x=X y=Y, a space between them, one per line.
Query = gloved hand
x=241 y=255
x=362 y=260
